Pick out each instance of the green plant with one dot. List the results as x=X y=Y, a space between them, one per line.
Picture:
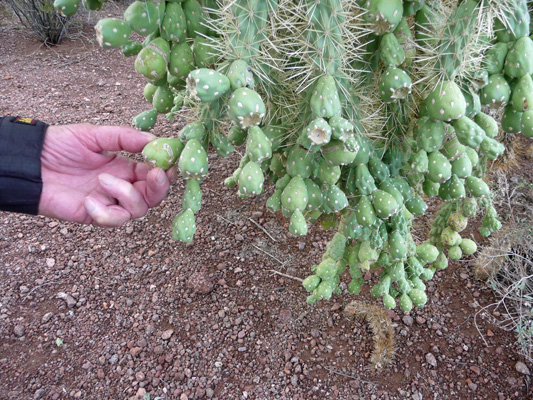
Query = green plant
x=352 y=112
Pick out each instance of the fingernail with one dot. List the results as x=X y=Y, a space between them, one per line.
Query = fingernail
x=160 y=177
x=90 y=205
x=107 y=179
x=148 y=134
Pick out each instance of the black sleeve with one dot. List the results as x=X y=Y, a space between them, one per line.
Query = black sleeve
x=21 y=144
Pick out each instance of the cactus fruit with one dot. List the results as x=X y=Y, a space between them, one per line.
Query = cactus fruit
x=245 y=108
x=112 y=32
x=519 y=61
x=522 y=97
x=207 y=85
x=395 y=85
x=193 y=160
x=325 y=100
x=240 y=75
x=146 y=120
x=67 y=7
x=439 y=168
x=468 y=132
x=163 y=152
x=184 y=226
x=429 y=134
x=315 y=135
x=526 y=124
x=174 y=25
x=143 y=17
x=496 y=93
x=446 y=102
x=384 y=204
x=383 y=16
x=251 y=180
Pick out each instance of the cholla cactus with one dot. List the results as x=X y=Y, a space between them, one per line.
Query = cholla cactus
x=353 y=112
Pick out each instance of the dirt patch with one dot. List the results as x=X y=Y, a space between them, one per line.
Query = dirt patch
x=252 y=335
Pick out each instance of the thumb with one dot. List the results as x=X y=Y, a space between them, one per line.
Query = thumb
x=116 y=138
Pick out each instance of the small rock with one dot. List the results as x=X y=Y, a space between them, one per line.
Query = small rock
x=200 y=283
x=522 y=368
x=39 y=393
x=19 y=330
x=301 y=245
x=407 y=320
x=285 y=315
x=47 y=317
x=315 y=332
x=50 y=262
x=167 y=334
x=420 y=320
x=24 y=289
x=431 y=360
x=472 y=386
x=71 y=302
x=239 y=237
x=140 y=376
x=141 y=393
x=114 y=359
x=135 y=351
x=209 y=392
x=475 y=369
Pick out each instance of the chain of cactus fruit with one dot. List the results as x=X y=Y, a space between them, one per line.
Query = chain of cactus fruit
x=355 y=111
x=70 y=7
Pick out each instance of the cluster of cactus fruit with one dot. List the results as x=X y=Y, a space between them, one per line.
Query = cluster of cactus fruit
x=70 y=7
x=355 y=111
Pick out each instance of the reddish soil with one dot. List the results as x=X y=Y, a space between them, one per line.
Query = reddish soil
x=146 y=314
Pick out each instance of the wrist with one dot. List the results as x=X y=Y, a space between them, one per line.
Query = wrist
x=21 y=143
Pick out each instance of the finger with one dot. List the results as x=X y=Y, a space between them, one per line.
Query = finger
x=157 y=186
x=116 y=138
x=126 y=194
x=105 y=216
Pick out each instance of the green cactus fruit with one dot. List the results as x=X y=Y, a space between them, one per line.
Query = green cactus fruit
x=112 y=32
x=237 y=136
x=405 y=302
x=476 y=186
x=325 y=101
x=349 y=226
x=131 y=48
x=417 y=283
x=446 y=102
x=300 y=162
x=328 y=174
x=396 y=270
x=273 y=203
x=335 y=199
x=222 y=145
x=384 y=204
x=427 y=252
x=439 y=169
x=414 y=267
x=468 y=132
x=367 y=252
x=163 y=99
x=388 y=301
x=204 y=55
x=468 y=246
x=146 y=120
x=151 y=62
x=336 y=153
x=392 y=53
x=311 y=282
x=193 y=130
x=383 y=16
x=441 y=262
x=456 y=187
x=395 y=85
x=457 y=221
x=246 y=108
x=526 y=124
x=452 y=149
x=67 y=8
x=192 y=196
x=495 y=58
x=163 y=152
x=389 y=187
x=174 y=25
x=397 y=246
x=366 y=216
x=364 y=151
x=491 y=148
x=488 y=124
x=282 y=183
x=455 y=252
x=449 y=237
x=402 y=185
x=511 y=120
x=497 y=93
x=416 y=205
x=427 y=274
x=418 y=297
x=341 y=129
x=431 y=189
x=429 y=134
x=240 y=75
x=404 y=286
x=195 y=17
x=324 y=291
x=335 y=247
x=315 y=135
x=469 y=207
x=297 y=224
x=184 y=226
x=193 y=160
x=364 y=180
x=294 y=196
x=327 y=269
x=251 y=180
x=276 y=134
x=480 y=79
x=258 y=146
x=314 y=195
x=143 y=17
x=519 y=61
x=415 y=179
x=419 y=161
x=522 y=98
x=378 y=169
x=473 y=102
x=207 y=85
x=354 y=286
x=472 y=155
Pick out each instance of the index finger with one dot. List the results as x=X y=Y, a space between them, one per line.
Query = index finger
x=115 y=138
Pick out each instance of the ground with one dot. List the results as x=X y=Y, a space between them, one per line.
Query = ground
x=95 y=313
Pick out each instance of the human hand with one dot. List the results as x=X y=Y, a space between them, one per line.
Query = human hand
x=84 y=182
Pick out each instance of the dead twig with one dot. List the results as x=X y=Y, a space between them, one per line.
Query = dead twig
x=348 y=376
x=287 y=276
x=263 y=229
x=37 y=287
x=268 y=254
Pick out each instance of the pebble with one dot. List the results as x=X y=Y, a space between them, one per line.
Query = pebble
x=47 y=317
x=239 y=237
x=24 y=289
x=420 y=320
x=407 y=320
x=39 y=393
x=522 y=368
x=19 y=330
x=167 y=334
x=114 y=359
x=430 y=358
